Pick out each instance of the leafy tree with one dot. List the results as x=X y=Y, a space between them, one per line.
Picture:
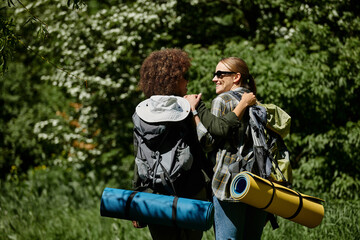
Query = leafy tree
x=304 y=60
x=302 y=54
x=97 y=57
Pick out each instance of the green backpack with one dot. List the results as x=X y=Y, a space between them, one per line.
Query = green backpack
x=278 y=122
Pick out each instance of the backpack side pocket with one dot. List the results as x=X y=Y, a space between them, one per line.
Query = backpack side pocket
x=143 y=168
x=184 y=157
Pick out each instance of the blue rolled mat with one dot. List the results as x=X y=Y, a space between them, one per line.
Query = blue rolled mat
x=157 y=209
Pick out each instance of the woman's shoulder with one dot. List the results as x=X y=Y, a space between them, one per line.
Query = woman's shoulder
x=220 y=104
x=225 y=97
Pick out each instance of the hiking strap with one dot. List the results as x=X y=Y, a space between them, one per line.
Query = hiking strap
x=273 y=221
x=274 y=137
x=237 y=95
x=128 y=203
x=174 y=207
x=156 y=165
x=272 y=196
x=165 y=175
x=282 y=175
x=299 y=207
x=246 y=164
x=170 y=189
x=271 y=217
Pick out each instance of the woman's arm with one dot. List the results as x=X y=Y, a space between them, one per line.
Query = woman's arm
x=219 y=126
x=247 y=99
x=216 y=126
x=194 y=100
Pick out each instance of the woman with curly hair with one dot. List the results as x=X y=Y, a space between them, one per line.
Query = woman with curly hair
x=163 y=81
x=164 y=73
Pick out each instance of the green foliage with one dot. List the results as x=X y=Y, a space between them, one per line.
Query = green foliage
x=332 y=163
x=102 y=59
x=307 y=64
x=7 y=41
x=75 y=3
x=68 y=96
x=303 y=56
x=57 y=203
x=25 y=102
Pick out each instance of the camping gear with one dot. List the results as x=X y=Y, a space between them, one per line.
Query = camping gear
x=159 y=108
x=277 y=199
x=157 y=209
x=277 y=128
x=163 y=153
x=277 y=119
x=269 y=156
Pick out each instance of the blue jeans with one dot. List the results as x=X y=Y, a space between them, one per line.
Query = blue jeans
x=236 y=220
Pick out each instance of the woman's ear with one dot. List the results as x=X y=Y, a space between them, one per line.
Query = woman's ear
x=236 y=79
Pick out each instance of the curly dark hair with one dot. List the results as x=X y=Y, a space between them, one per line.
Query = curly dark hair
x=162 y=70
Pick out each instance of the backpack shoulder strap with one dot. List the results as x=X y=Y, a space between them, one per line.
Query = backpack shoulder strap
x=237 y=95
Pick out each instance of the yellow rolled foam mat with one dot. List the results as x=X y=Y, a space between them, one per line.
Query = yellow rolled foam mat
x=277 y=199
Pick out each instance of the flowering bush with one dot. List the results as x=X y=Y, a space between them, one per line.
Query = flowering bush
x=79 y=79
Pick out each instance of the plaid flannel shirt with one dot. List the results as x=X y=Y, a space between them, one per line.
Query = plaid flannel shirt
x=225 y=155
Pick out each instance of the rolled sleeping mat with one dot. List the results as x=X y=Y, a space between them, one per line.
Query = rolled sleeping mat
x=277 y=199
x=157 y=209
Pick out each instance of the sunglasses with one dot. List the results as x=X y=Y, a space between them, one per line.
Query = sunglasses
x=219 y=74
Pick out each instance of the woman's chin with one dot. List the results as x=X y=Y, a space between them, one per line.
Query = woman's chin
x=219 y=90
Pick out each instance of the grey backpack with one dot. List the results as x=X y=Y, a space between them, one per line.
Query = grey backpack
x=162 y=153
x=262 y=157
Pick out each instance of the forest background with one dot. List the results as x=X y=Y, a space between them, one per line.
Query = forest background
x=69 y=73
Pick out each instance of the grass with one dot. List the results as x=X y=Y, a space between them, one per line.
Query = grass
x=34 y=209
x=341 y=221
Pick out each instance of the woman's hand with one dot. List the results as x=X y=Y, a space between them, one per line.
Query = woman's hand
x=193 y=99
x=249 y=99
